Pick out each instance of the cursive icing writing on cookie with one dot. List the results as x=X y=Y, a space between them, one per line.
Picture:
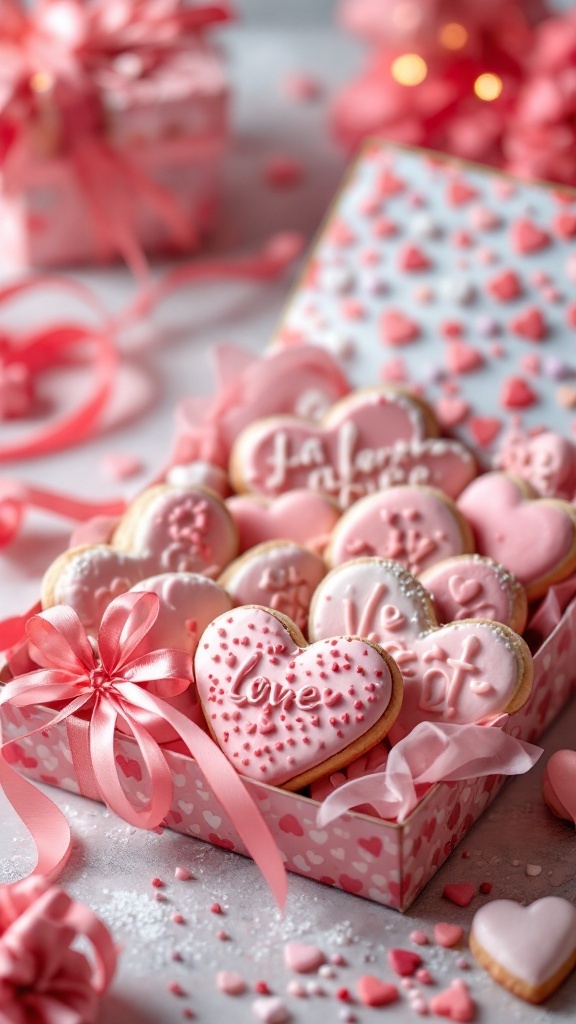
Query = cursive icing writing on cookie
x=369 y=440
x=285 y=713
x=475 y=587
x=415 y=526
x=166 y=529
x=462 y=672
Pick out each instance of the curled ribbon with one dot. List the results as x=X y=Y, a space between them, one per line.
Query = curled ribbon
x=432 y=752
x=114 y=685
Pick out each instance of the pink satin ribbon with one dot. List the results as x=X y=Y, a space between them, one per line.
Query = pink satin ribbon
x=109 y=687
x=432 y=752
x=42 y=978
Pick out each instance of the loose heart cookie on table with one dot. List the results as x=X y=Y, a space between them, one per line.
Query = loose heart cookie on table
x=280 y=575
x=302 y=516
x=371 y=439
x=534 y=538
x=529 y=950
x=416 y=526
x=476 y=587
x=464 y=672
x=166 y=529
x=286 y=713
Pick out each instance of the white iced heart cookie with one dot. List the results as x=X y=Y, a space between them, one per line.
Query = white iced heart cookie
x=370 y=439
x=464 y=672
x=166 y=529
x=286 y=713
x=530 y=950
x=279 y=575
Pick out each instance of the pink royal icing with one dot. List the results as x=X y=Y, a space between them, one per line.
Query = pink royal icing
x=530 y=537
x=531 y=943
x=368 y=441
x=278 y=710
x=473 y=587
x=413 y=526
x=546 y=461
x=282 y=577
x=180 y=530
x=302 y=516
x=462 y=673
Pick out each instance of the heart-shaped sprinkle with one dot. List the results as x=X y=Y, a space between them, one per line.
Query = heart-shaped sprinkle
x=527 y=237
x=565 y=225
x=559 y=784
x=516 y=393
x=455 y=1003
x=534 y=539
x=285 y=713
x=451 y=411
x=460 y=192
x=484 y=429
x=460 y=893
x=530 y=324
x=463 y=358
x=411 y=257
x=412 y=525
x=271 y=1010
x=303 y=958
x=231 y=983
x=529 y=950
x=505 y=286
x=404 y=962
x=398 y=329
x=447 y=935
x=374 y=992
x=462 y=672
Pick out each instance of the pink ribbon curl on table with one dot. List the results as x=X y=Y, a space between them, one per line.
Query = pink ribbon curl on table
x=432 y=752
x=114 y=685
x=42 y=978
x=51 y=56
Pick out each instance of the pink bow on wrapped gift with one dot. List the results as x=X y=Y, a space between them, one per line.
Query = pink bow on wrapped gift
x=432 y=752
x=41 y=977
x=51 y=58
x=115 y=684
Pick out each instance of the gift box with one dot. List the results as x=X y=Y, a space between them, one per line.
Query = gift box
x=383 y=861
x=122 y=132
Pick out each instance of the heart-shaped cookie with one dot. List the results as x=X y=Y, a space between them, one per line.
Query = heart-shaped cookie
x=371 y=439
x=464 y=672
x=475 y=587
x=529 y=950
x=534 y=538
x=546 y=461
x=559 y=785
x=279 y=575
x=285 y=713
x=415 y=526
x=188 y=602
x=166 y=529
x=302 y=516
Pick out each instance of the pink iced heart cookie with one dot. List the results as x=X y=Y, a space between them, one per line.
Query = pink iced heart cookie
x=546 y=461
x=475 y=587
x=559 y=784
x=280 y=575
x=166 y=529
x=368 y=440
x=285 y=713
x=416 y=526
x=302 y=516
x=188 y=602
x=534 y=538
x=464 y=672
x=530 y=950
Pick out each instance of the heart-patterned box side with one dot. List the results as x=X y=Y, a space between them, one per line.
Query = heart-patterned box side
x=366 y=856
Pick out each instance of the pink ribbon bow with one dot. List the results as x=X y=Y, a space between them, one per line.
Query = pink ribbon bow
x=41 y=977
x=109 y=685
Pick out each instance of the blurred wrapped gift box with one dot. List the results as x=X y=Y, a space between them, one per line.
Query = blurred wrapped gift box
x=113 y=121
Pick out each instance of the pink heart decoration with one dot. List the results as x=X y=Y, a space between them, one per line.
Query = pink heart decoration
x=167 y=529
x=397 y=329
x=559 y=784
x=370 y=440
x=529 y=949
x=302 y=516
x=283 y=713
x=473 y=587
x=463 y=590
x=463 y=672
x=533 y=538
x=527 y=237
x=455 y=1003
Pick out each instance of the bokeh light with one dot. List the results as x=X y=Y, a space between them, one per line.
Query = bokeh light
x=453 y=36
x=488 y=87
x=409 y=69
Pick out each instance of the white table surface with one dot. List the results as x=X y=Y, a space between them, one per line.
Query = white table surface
x=112 y=865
